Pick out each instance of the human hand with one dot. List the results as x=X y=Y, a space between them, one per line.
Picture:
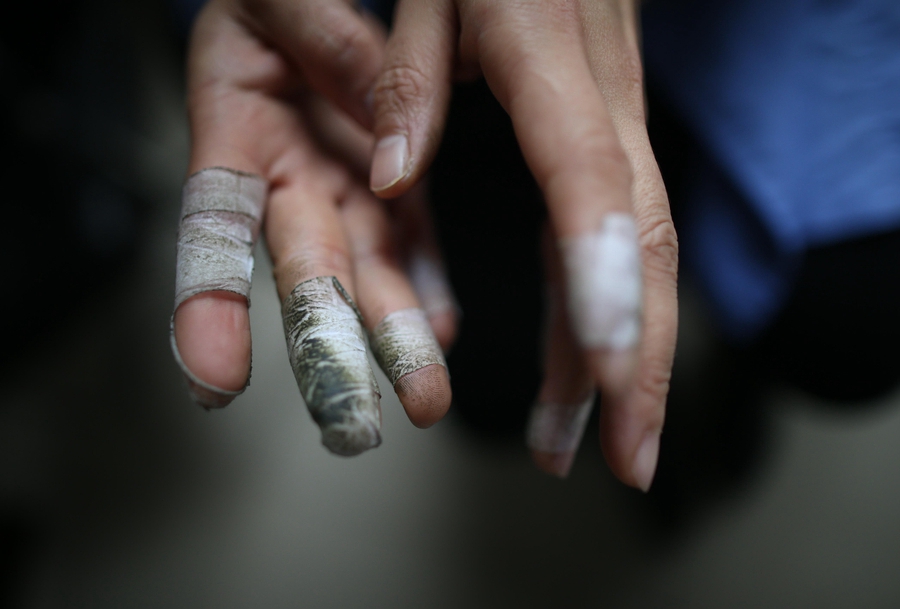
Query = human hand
x=569 y=74
x=271 y=84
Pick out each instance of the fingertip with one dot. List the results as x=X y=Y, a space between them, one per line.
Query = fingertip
x=353 y=436
x=391 y=163
x=555 y=464
x=425 y=394
x=212 y=336
x=643 y=468
x=631 y=447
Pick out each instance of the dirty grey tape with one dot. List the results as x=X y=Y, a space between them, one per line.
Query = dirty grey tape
x=403 y=342
x=327 y=350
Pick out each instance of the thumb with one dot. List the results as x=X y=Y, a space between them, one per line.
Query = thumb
x=412 y=94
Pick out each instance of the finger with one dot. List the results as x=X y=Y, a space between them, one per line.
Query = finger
x=324 y=332
x=568 y=137
x=220 y=219
x=401 y=336
x=631 y=423
x=559 y=416
x=424 y=264
x=540 y=74
x=222 y=208
x=412 y=94
x=336 y=49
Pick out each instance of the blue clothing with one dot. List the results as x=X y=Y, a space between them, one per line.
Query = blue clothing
x=797 y=105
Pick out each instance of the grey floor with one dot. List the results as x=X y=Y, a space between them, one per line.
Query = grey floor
x=137 y=498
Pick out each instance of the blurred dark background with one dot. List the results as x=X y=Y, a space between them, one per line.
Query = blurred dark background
x=778 y=476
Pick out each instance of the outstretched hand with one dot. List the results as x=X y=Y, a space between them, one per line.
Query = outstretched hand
x=271 y=84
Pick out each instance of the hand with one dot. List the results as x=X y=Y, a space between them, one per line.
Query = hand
x=271 y=84
x=569 y=74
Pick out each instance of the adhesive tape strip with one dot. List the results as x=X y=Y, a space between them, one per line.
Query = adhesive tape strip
x=403 y=342
x=327 y=350
x=221 y=212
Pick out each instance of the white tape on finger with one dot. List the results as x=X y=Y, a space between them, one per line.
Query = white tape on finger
x=603 y=272
x=327 y=350
x=403 y=342
x=558 y=428
x=221 y=212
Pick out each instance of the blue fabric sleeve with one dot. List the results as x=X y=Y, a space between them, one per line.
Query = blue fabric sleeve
x=797 y=103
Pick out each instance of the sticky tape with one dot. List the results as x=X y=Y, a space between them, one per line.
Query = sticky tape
x=221 y=212
x=558 y=428
x=604 y=284
x=403 y=342
x=327 y=350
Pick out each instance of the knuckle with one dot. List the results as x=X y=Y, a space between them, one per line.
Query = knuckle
x=348 y=45
x=559 y=15
x=337 y=40
x=659 y=242
x=400 y=85
x=308 y=261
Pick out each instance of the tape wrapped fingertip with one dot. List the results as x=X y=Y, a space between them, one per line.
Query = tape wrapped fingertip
x=403 y=342
x=221 y=213
x=327 y=349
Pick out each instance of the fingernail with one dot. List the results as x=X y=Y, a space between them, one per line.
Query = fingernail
x=604 y=284
x=390 y=162
x=644 y=467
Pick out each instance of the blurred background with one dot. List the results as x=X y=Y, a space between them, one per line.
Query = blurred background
x=117 y=491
